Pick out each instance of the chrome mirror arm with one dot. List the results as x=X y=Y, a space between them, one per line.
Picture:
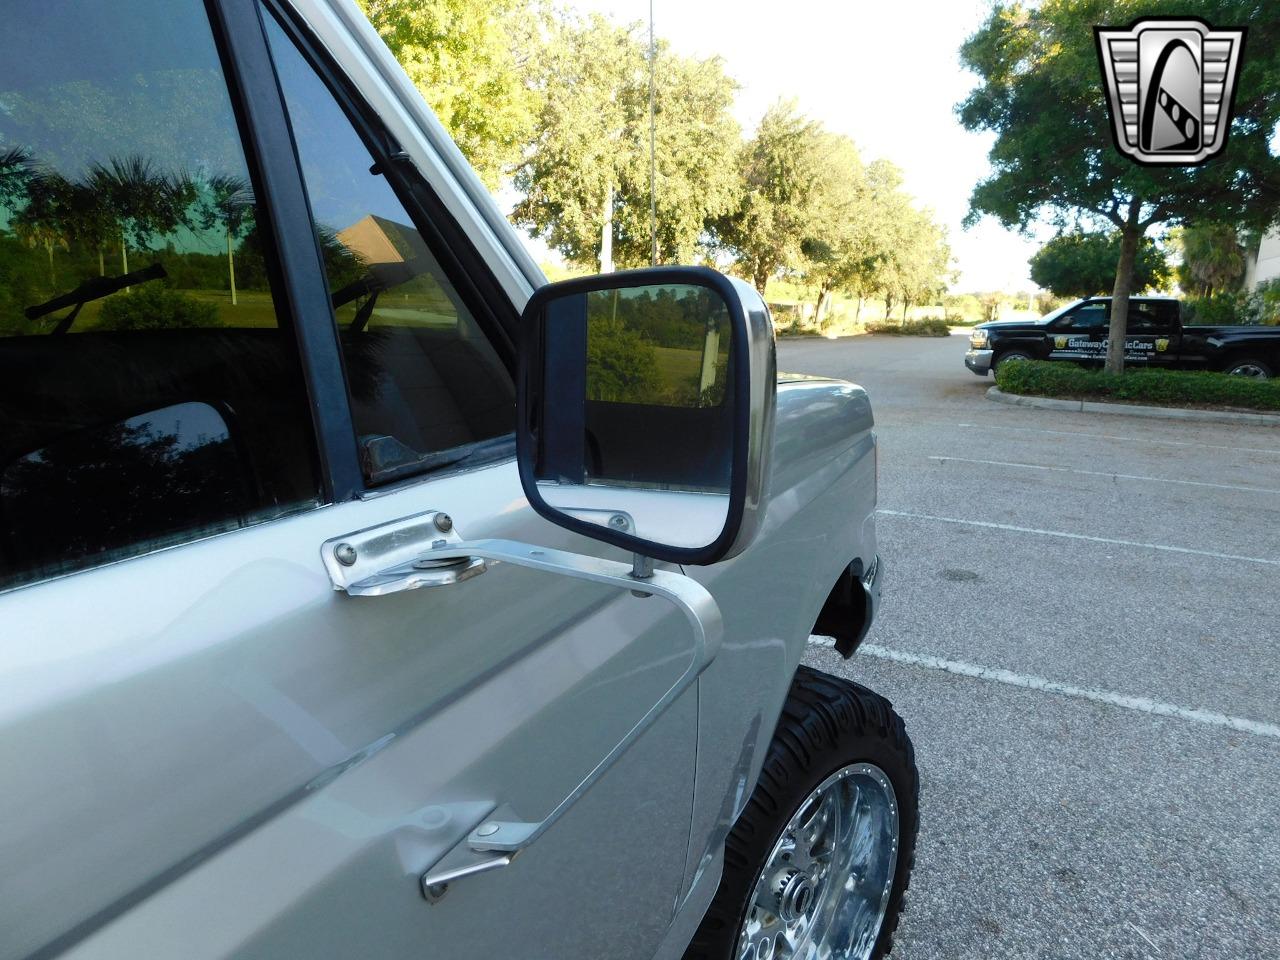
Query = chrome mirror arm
x=426 y=551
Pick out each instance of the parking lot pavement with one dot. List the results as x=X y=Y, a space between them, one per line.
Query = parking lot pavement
x=1080 y=626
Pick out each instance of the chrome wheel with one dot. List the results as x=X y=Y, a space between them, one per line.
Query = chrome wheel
x=1250 y=368
x=824 y=888
x=1013 y=356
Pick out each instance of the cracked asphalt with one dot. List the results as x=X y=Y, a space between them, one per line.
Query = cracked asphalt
x=1136 y=557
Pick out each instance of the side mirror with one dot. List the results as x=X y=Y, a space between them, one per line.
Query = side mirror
x=646 y=409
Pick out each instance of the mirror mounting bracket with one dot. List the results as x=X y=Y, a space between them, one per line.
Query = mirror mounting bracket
x=641 y=569
x=426 y=551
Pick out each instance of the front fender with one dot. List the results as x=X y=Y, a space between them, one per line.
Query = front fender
x=820 y=516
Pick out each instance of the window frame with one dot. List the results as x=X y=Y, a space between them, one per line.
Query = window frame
x=269 y=148
x=462 y=263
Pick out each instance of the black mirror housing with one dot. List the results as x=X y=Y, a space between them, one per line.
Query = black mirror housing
x=645 y=410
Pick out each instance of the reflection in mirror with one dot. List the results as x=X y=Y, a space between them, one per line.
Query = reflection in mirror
x=654 y=455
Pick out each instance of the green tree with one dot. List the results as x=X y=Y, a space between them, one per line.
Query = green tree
x=1213 y=259
x=914 y=263
x=1079 y=264
x=991 y=302
x=52 y=212
x=226 y=203
x=964 y=307
x=469 y=59
x=781 y=170
x=1040 y=92
x=922 y=260
x=843 y=247
x=44 y=220
x=585 y=178
x=144 y=203
x=91 y=221
x=16 y=172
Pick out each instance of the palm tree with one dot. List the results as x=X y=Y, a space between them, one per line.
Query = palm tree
x=1212 y=257
x=90 y=220
x=44 y=221
x=227 y=202
x=16 y=171
x=143 y=203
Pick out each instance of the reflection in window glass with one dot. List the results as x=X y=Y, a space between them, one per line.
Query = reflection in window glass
x=426 y=385
x=1093 y=317
x=1151 y=316
x=135 y=298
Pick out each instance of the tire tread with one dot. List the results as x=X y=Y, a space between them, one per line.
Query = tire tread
x=822 y=714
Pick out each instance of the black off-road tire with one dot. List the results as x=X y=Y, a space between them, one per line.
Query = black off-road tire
x=827 y=723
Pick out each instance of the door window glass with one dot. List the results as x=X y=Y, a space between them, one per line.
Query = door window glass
x=149 y=393
x=1151 y=316
x=427 y=388
x=1089 y=318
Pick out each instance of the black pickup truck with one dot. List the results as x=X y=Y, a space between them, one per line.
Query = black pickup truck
x=1156 y=338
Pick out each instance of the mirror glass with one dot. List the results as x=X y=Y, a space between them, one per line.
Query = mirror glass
x=651 y=452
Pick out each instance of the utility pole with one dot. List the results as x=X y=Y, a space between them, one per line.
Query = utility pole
x=606 y=233
x=653 y=160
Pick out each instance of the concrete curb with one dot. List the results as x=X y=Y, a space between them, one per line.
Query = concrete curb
x=1132 y=410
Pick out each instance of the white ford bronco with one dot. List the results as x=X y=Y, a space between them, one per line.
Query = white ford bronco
x=364 y=596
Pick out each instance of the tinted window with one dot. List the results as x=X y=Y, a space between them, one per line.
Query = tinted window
x=1092 y=316
x=1152 y=316
x=149 y=392
x=426 y=385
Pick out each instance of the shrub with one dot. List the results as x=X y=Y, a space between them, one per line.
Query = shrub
x=1263 y=304
x=1215 y=310
x=913 y=328
x=155 y=307
x=963 y=309
x=1176 y=388
x=622 y=366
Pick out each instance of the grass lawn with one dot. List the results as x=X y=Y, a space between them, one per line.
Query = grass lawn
x=255 y=309
x=679 y=365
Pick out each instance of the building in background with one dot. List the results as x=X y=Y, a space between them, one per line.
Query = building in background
x=1264 y=263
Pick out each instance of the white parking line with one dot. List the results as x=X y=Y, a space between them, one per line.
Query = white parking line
x=1106 y=436
x=1044 y=685
x=1078 y=536
x=1104 y=473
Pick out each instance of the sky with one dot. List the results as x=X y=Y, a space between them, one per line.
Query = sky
x=887 y=74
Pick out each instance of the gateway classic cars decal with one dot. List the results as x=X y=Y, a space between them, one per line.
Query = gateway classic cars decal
x=1076 y=347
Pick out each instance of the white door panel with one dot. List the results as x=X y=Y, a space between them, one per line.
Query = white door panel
x=317 y=752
